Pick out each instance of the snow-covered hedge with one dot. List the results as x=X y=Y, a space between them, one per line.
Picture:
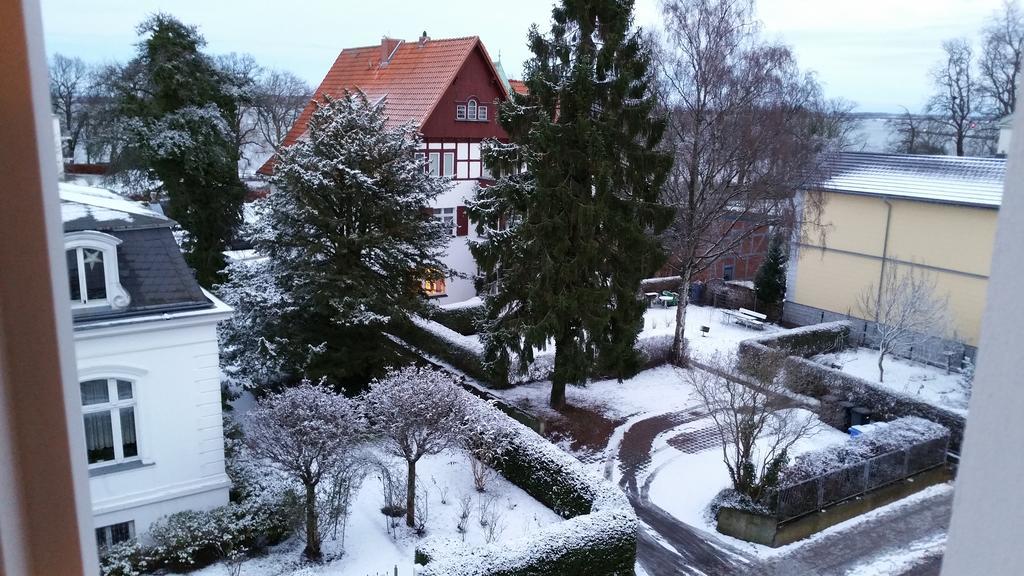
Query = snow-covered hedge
x=462 y=317
x=805 y=341
x=462 y=352
x=598 y=538
x=466 y=352
x=878 y=439
x=812 y=379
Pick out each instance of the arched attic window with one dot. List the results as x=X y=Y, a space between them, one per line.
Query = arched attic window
x=92 y=270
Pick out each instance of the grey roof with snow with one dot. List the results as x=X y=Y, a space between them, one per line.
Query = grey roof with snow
x=90 y=208
x=150 y=265
x=945 y=179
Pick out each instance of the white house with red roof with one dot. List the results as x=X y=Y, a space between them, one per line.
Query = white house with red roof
x=448 y=88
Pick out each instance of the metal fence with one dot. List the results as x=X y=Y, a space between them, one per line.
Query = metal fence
x=844 y=483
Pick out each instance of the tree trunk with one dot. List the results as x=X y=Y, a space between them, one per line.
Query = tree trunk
x=312 y=550
x=410 y=496
x=679 y=354
x=566 y=367
x=881 y=370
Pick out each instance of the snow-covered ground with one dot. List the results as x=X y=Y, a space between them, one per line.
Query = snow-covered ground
x=659 y=389
x=368 y=549
x=921 y=381
x=725 y=335
x=684 y=484
x=901 y=561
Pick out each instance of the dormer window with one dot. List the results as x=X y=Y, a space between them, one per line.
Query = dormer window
x=92 y=270
x=472 y=111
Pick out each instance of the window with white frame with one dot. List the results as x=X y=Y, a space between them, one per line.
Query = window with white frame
x=92 y=270
x=434 y=165
x=115 y=534
x=449 y=164
x=481 y=113
x=446 y=215
x=460 y=111
x=471 y=109
x=421 y=160
x=108 y=412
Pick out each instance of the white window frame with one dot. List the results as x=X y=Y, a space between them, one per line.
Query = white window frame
x=481 y=113
x=471 y=107
x=448 y=164
x=108 y=532
x=117 y=297
x=421 y=160
x=434 y=164
x=114 y=405
x=460 y=111
x=443 y=214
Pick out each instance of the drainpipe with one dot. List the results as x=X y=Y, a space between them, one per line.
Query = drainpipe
x=885 y=253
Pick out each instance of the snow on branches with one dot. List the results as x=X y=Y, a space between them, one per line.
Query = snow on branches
x=417 y=411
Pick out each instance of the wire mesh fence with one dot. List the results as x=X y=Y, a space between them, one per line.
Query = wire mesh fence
x=856 y=479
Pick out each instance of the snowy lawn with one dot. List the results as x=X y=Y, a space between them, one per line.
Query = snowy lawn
x=920 y=381
x=683 y=484
x=725 y=335
x=369 y=549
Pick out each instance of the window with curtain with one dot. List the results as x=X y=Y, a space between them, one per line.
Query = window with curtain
x=108 y=412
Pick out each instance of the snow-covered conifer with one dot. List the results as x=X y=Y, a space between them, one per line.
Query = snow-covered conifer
x=348 y=242
x=568 y=266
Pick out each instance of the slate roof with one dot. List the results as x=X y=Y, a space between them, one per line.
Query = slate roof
x=150 y=265
x=410 y=83
x=91 y=208
x=945 y=179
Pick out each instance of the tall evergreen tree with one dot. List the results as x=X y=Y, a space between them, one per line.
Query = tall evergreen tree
x=579 y=192
x=347 y=244
x=177 y=103
x=770 y=282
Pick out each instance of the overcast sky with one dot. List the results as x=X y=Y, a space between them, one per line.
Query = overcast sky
x=876 y=53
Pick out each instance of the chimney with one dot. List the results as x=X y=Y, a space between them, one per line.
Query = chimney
x=424 y=39
x=387 y=49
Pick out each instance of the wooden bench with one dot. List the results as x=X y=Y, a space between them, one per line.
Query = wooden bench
x=747 y=318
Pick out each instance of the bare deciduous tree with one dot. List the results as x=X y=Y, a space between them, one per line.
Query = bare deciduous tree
x=905 y=307
x=915 y=134
x=747 y=129
x=280 y=98
x=753 y=424
x=311 y=435
x=1001 y=55
x=956 y=93
x=70 y=83
x=417 y=411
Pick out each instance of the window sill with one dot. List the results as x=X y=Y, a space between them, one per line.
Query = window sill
x=115 y=468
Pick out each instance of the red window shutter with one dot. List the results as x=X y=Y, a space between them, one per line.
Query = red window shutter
x=461 y=221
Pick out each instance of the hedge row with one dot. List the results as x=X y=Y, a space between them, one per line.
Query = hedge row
x=816 y=380
x=598 y=538
x=465 y=353
x=463 y=318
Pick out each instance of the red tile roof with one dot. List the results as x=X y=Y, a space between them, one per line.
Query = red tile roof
x=411 y=82
x=519 y=86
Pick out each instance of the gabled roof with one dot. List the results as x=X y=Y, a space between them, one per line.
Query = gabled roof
x=518 y=86
x=410 y=83
x=90 y=208
x=946 y=179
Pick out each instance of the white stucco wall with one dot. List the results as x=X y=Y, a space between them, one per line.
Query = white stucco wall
x=458 y=257
x=174 y=364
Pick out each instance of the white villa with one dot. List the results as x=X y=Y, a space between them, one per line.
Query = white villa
x=147 y=357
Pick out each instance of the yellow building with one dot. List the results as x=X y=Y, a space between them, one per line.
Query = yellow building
x=936 y=214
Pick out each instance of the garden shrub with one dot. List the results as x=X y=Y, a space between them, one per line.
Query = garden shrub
x=597 y=539
x=464 y=318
